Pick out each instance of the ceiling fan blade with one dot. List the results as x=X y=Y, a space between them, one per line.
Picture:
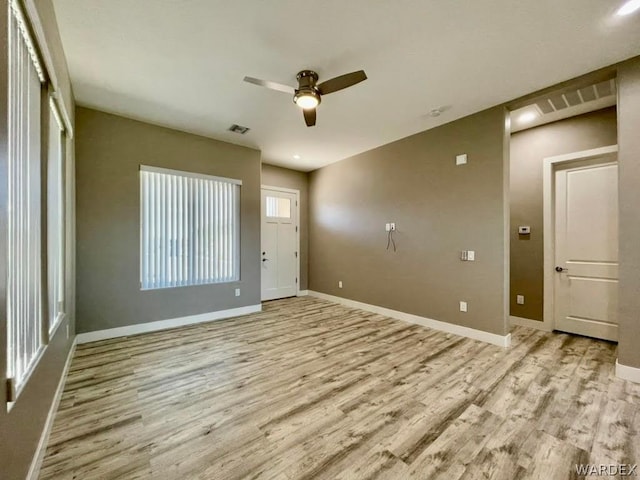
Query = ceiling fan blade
x=343 y=81
x=272 y=85
x=309 y=116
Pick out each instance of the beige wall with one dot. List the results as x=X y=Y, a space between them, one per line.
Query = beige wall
x=109 y=152
x=439 y=208
x=21 y=428
x=629 y=164
x=273 y=176
x=528 y=150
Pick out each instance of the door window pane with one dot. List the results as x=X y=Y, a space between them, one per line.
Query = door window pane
x=278 y=207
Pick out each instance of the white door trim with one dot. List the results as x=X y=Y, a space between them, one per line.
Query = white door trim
x=548 y=179
x=297 y=219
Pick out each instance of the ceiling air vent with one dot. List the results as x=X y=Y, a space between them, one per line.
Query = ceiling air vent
x=238 y=129
x=566 y=103
x=572 y=98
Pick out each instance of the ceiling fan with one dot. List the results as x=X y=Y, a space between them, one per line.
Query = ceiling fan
x=309 y=93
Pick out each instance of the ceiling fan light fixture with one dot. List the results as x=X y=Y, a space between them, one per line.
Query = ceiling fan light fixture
x=309 y=93
x=306 y=99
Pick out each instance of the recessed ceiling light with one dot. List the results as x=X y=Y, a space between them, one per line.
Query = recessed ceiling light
x=296 y=157
x=629 y=7
x=527 y=117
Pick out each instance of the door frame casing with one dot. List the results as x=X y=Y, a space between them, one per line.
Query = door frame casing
x=297 y=220
x=549 y=221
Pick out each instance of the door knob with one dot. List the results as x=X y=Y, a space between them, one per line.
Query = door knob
x=560 y=269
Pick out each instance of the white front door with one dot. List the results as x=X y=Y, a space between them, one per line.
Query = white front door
x=586 y=248
x=279 y=256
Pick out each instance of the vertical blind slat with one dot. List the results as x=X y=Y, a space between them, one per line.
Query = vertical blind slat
x=172 y=235
x=212 y=226
x=185 y=231
x=158 y=227
x=201 y=232
x=216 y=222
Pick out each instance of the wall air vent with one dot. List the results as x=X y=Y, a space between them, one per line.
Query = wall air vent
x=239 y=129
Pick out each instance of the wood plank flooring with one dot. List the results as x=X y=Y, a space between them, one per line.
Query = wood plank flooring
x=309 y=389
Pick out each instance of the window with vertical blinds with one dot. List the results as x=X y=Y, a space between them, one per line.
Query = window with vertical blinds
x=190 y=228
x=25 y=330
x=55 y=216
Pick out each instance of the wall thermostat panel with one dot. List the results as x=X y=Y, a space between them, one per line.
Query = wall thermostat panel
x=524 y=230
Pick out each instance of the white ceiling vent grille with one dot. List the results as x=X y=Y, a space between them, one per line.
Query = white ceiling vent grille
x=560 y=105
x=239 y=129
x=573 y=98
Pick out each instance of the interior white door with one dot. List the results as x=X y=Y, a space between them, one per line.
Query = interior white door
x=279 y=256
x=586 y=246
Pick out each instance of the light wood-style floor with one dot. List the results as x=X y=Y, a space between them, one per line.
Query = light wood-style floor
x=308 y=389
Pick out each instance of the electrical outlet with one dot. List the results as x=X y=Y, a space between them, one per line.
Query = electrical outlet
x=339 y=283
x=463 y=306
x=461 y=159
x=237 y=292
x=520 y=299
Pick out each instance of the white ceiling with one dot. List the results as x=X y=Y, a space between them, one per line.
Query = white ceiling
x=180 y=63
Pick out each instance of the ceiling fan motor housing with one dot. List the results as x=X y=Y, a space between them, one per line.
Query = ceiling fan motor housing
x=307 y=85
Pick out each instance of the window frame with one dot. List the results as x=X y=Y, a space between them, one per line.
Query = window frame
x=20 y=31
x=26 y=335
x=192 y=282
x=52 y=323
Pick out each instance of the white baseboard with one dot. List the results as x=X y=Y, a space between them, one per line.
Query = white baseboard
x=165 y=324
x=527 y=322
x=500 y=340
x=627 y=373
x=36 y=463
x=303 y=293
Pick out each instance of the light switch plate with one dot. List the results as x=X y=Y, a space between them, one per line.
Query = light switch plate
x=520 y=299
x=471 y=255
x=461 y=159
x=237 y=292
x=463 y=306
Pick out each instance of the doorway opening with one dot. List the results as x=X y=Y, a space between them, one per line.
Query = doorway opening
x=563 y=210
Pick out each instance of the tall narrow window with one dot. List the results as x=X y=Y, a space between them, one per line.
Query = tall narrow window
x=190 y=228
x=25 y=330
x=55 y=215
